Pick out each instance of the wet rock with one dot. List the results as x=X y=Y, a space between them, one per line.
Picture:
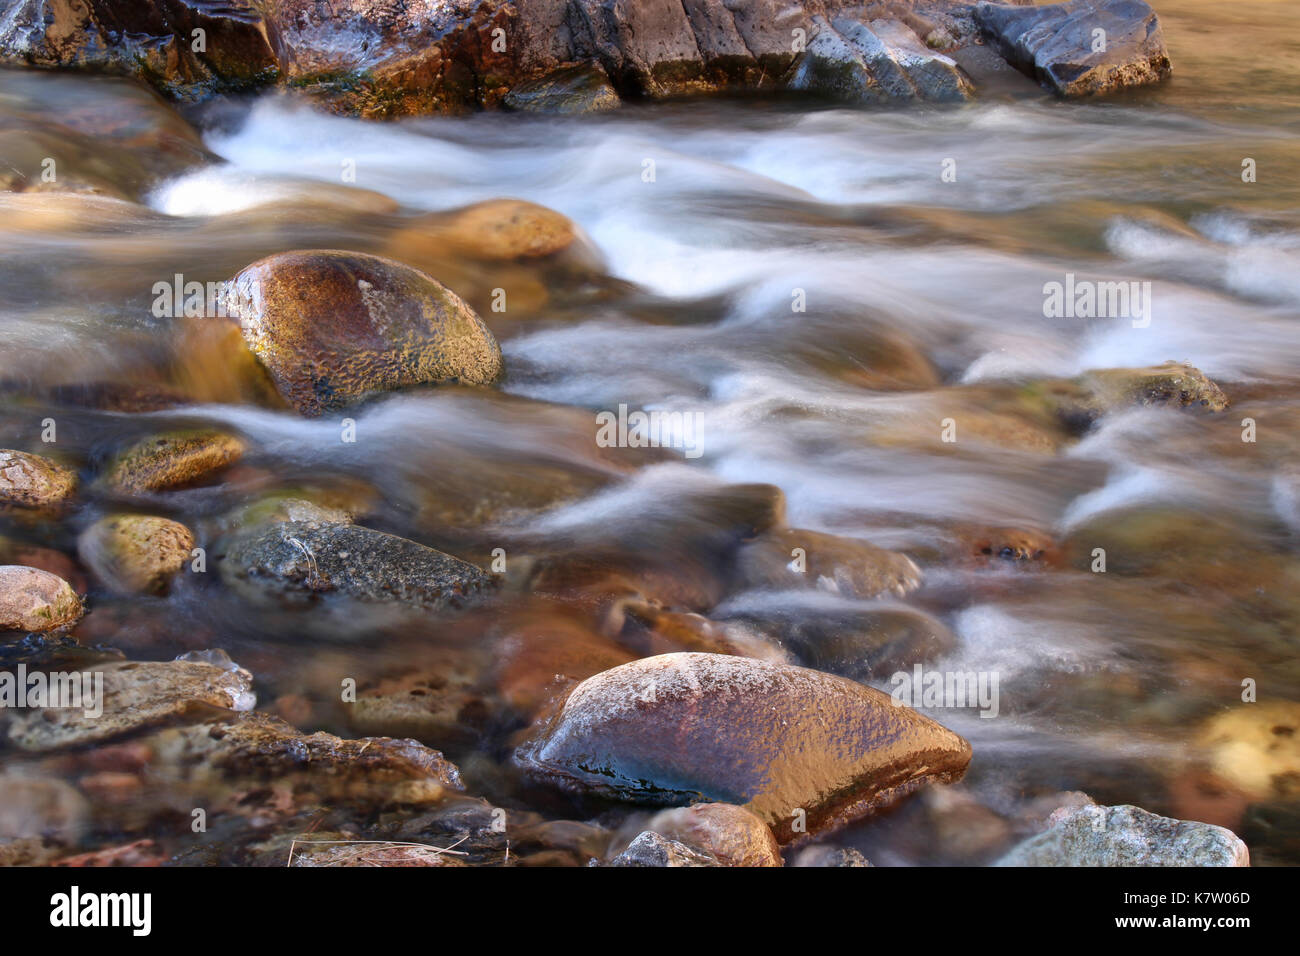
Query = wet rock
x=173 y=460
x=294 y=561
x=785 y=742
x=792 y=558
x=439 y=702
x=152 y=40
x=332 y=327
x=501 y=229
x=275 y=509
x=233 y=758
x=651 y=849
x=864 y=642
x=30 y=481
x=34 y=600
x=731 y=835
x=876 y=62
x=964 y=830
x=584 y=88
x=1057 y=44
x=1126 y=836
x=828 y=855
x=1256 y=748
x=1172 y=383
x=136 y=554
x=135 y=695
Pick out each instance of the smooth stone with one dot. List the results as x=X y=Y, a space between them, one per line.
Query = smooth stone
x=730 y=834
x=332 y=327
x=1054 y=44
x=35 y=600
x=137 y=695
x=295 y=561
x=32 y=481
x=841 y=565
x=136 y=554
x=173 y=460
x=1126 y=836
x=774 y=738
x=499 y=230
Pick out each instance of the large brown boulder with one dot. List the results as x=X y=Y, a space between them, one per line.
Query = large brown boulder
x=333 y=327
x=801 y=749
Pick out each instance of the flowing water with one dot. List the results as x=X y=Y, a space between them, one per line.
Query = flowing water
x=923 y=301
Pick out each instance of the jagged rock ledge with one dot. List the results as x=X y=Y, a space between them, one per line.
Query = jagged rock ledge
x=389 y=58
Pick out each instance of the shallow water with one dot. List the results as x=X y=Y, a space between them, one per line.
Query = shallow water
x=1104 y=679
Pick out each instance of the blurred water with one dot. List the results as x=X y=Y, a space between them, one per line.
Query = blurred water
x=748 y=204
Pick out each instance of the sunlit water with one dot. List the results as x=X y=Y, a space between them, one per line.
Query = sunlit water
x=1103 y=678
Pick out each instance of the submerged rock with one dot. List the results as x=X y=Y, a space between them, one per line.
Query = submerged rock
x=1059 y=45
x=1256 y=748
x=1171 y=383
x=795 y=746
x=793 y=558
x=500 y=229
x=136 y=554
x=35 y=600
x=295 y=560
x=173 y=460
x=136 y=695
x=861 y=641
x=1126 y=836
x=333 y=327
x=31 y=481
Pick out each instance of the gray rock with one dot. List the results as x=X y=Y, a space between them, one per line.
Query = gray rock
x=883 y=61
x=1055 y=44
x=295 y=560
x=651 y=849
x=1126 y=836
